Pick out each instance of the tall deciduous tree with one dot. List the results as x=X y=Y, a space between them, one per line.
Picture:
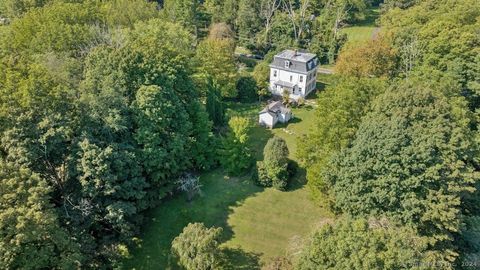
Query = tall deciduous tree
x=337 y=117
x=184 y=12
x=361 y=244
x=375 y=58
x=248 y=20
x=413 y=159
x=215 y=58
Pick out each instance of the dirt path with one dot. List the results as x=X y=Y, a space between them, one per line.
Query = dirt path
x=375 y=32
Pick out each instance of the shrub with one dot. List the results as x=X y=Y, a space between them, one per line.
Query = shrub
x=274 y=170
x=197 y=247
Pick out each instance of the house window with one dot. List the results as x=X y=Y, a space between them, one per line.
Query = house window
x=287 y=64
x=300 y=90
x=301 y=78
x=291 y=77
x=274 y=73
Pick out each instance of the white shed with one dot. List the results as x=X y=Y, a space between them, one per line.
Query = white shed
x=273 y=113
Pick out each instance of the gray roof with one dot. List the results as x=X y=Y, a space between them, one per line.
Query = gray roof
x=299 y=61
x=274 y=108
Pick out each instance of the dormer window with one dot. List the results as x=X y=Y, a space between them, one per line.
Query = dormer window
x=274 y=73
x=287 y=64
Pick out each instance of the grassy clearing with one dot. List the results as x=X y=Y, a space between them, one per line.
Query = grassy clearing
x=363 y=30
x=258 y=223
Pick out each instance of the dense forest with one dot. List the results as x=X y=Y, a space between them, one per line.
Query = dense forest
x=105 y=106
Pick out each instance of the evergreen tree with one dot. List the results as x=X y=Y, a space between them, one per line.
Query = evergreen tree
x=214 y=104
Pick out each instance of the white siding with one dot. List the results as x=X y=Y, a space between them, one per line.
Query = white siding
x=265 y=119
x=294 y=78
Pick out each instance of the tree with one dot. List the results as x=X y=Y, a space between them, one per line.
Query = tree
x=247 y=89
x=361 y=244
x=375 y=58
x=298 y=16
x=215 y=9
x=197 y=247
x=422 y=35
x=221 y=31
x=267 y=11
x=273 y=171
x=230 y=10
x=413 y=160
x=235 y=156
x=248 y=21
x=184 y=12
x=30 y=234
x=189 y=184
x=340 y=110
x=215 y=58
x=261 y=74
x=127 y=12
x=214 y=104
x=15 y=8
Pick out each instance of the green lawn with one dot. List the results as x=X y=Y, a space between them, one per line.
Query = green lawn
x=258 y=223
x=363 y=30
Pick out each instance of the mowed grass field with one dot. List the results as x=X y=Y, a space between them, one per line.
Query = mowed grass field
x=363 y=30
x=258 y=223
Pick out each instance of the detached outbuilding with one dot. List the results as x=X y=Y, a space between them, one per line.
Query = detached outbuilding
x=273 y=113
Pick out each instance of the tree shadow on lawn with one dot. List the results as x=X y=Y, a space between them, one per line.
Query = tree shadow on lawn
x=258 y=139
x=298 y=180
x=237 y=258
x=220 y=195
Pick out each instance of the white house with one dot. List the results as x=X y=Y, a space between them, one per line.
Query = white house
x=273 y=113
x=295 y=72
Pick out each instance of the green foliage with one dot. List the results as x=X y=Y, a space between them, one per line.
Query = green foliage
x=261 y=74
x=30 y=235
x=162 y=133
x=247 y=89
x=439 y=35
x=361 y=244
x=214 y=104
x=340 y=109
x=248 y=20
x=374 y=58
x=62 y=27
x=214 y=58
x=197 y=247
x=274 y=170
x=235 y=156
x=184 y=12
x=127 y=12
x=104 y=108
x=413 y=159
x=16 y=8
